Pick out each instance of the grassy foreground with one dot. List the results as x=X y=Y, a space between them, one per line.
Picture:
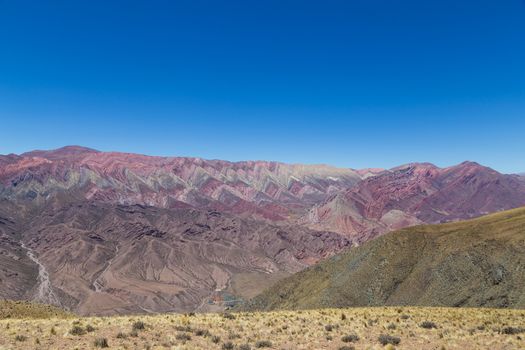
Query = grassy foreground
x=27 y=310
x=359 y=328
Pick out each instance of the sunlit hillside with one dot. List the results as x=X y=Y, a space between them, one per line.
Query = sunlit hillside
x=339 y=329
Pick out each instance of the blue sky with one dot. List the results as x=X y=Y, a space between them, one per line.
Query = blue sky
x=355 y=83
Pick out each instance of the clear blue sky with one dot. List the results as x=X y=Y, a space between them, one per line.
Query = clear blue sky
x=354 y=83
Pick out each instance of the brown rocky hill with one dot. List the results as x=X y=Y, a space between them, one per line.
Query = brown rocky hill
x=475 y=263
x=96 y=258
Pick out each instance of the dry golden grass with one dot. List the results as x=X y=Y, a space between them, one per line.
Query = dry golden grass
x=24 y=309
x=358 y=328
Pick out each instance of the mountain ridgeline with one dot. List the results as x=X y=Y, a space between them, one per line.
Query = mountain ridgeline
x=475 y=263
x=109 y=232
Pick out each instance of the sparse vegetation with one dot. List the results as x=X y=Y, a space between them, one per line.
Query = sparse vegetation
x=363 y=328
x=121 y=335
x=183 y=336
x=20 y=338
x=428 y=325
x=263 y=344
x=329 y=327
x=228 y=346
x=350 y=338
x=202 y=333
x=346 y=347
x=215 y=339
x=101 y=343
x=512 y=330
x=10 y=309
x=77 y=330
x=228 y=316
x=385 y=339
x=138 y=326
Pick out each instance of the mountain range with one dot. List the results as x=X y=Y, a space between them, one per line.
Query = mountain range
x=108 y=232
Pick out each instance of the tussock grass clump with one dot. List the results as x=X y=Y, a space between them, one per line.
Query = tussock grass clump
x=138 y=326
x=245 y=347
x=233 y=336
x=512 y=330
x=385 y=339
x=428 y=325
x=201 y=332
x=187 y=329
x=90 y=328
x=346 y=347
x=263 y=344
x=350 y=338
x=228 y=316
x=20 y=338
x=215 y=339
x=101 y=343
x=183 y=336
x=77 y=330
x=122 y=335
x=228 y=346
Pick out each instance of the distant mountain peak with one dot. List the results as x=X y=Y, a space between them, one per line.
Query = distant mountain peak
x=62 y=151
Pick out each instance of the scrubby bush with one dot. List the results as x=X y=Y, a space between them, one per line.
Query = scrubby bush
x=121 y=335
x=428 y=325
x=512 y=330
x=385 y=339
x=245 y=347
x=346 y=347
x=201 y=333
x=183 y=336
x=20 y=338
x=183 y=329
x=228 y=346
x=77 y=330
x=263 y=344
x=215 y=339
x=350 y=338
x=138 y=326
x=101 y=343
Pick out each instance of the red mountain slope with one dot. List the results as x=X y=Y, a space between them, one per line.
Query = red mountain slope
x=416 y=193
